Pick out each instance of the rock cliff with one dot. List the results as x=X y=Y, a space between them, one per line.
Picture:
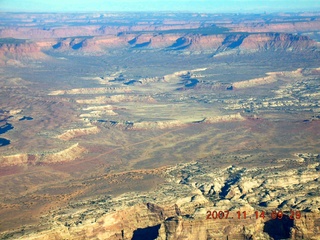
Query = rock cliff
x=179 y=209
x=23 y=51
x=19 y=53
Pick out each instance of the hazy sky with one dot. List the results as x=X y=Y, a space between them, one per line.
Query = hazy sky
x=161 y=5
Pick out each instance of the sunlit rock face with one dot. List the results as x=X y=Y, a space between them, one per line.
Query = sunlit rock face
x=159 y=126
x=22 y=52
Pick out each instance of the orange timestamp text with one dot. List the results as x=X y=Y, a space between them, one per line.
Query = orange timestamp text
x=275 y=214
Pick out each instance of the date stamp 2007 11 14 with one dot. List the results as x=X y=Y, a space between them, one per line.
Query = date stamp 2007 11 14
x=275 y=214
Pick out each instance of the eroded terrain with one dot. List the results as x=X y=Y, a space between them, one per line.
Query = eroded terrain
x=124 y=126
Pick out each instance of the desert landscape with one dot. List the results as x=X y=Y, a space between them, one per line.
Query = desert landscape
x=159 y=126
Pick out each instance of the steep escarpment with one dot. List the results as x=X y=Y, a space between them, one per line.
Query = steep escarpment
x=89 y=44
x=276 y=25
x=191 y=42
x=226 y=118
x=143 y=135
x=89 y=30
x=73 y=133
x=277 y=41
x=254 y=203
x=96 y=34
x=69 y=154
x=21 y=52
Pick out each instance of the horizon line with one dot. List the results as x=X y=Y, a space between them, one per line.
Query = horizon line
x=173 y=11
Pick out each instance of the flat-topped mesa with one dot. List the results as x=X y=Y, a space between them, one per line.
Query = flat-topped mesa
x=190 y=42
x=254 y=82
x=151 y=40
x=24 y=51
x=277 y=41
x=176 y=123
x=54 y=32
x=20 y=52
x=158 y=125
x=89 y=44
x=285 y=27
x=69 y=154
x=225 y=118
x=270 y=78
x=117 y=99
x=199 y=42
x=90 y=91
x=88 y=30
x=73 y=133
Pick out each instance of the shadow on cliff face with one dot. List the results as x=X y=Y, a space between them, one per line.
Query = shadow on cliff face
x=148 y=233
x=4 y=142
x=279 y=228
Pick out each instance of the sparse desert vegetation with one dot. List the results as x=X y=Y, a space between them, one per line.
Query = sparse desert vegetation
x=125 y=125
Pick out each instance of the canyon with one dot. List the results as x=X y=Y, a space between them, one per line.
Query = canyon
x=146 y=125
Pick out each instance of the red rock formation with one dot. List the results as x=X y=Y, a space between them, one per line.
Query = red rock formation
x=20 y=52
x=222 y=42
x=88 y=30
x=261 y=26
x=277 y=41
x=97 y=36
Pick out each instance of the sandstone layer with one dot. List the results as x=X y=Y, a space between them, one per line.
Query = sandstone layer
x=183 y=203
x=144 y=126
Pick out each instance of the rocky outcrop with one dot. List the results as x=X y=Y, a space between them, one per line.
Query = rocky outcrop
x=149 y=125
x=299 y=89
x=117 y=99
x=99 y=111
x=69 y=154
x=109 y=192
x=191 y=42
x=194 y=190
x=73 y=133
x=285 y=26
x=89 y=45
x=157 y=125
x=226 y=118
x=12 y=160
x=90 y=91
x=29 y=40
x=276 y=42
x=20 y=53
x=88 y=30
x=256 y=82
